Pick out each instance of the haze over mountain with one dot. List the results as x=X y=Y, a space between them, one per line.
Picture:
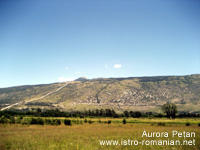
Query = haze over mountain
x=133 y=93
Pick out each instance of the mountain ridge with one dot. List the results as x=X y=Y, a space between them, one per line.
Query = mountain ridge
x=138 y=93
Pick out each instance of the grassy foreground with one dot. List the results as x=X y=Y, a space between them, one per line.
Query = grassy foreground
x=87 y=136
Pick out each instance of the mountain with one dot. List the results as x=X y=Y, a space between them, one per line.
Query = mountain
x=81 y=79
x=133 y=93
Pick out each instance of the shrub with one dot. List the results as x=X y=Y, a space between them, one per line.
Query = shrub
x=199 y=124
x=48 y=121
x=56 y=122
x=187 y=124
x=67 y=122
x=4 y=120
x=124 y=121
x=74 y=121
x=115 y=116
x=161 y=124
x=99 y=121
x=160 y=115
x=85 y=120
x=59 y=122
x=90 y=121
x=18 y=120
x=37 y=121
x=109 y=121
x=81 y=117
x=12 y=120
x=40 y=121
x=24 y=123
x=77 y=121
x=33 y=121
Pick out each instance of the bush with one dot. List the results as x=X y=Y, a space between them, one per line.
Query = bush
x=24 y=123
x=59 y=122
x=85 y=120
x=81 y=117
x=124 y=121
x=56 y=122
x=199 y=124
x=160 y=115
x=33 y=121
x=74 y=121
x=48 y=121
x=12 y=120
x=40 y=121
x=161 y=124
x=67 y=122
x=90 y=122
x=18 y=120
x=109 y=121
x=115 y=116
x=4 y=120
x=187 y=124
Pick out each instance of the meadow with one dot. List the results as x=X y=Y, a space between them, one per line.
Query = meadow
x=87 y=136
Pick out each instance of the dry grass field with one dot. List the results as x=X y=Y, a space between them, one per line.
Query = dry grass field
x=88 y=136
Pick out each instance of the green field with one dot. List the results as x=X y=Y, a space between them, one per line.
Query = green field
x=88 y=136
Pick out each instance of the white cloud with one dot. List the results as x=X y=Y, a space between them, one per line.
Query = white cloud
x=106 y=66
x=63 y=79
x=117 y=66
x=78 y=72
x=67 y=68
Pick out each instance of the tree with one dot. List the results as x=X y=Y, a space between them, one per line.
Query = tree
x=39 y=110
x=97 y=112
x=67 y=122
x=124 y=121
x=40 y=121
x=126 y=113
x=102 y=112
x=138 y=114
x=89 y=113
x=108 y=113
x=170 y=109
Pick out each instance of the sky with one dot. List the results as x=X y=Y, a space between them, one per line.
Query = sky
x=52 y=41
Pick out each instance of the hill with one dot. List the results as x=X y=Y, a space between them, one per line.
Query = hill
x=134 y=93
x=81 y=79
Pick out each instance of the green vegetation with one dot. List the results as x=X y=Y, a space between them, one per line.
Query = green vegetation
x=170 y=110
x=187 y=124
x=67 y=122
x=124 y=121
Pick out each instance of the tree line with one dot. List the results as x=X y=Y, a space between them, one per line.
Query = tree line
x=169 y=109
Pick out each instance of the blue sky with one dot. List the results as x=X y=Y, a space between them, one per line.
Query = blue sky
x=53 y=41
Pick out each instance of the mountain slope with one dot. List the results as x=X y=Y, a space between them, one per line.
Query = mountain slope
x=143 y=93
